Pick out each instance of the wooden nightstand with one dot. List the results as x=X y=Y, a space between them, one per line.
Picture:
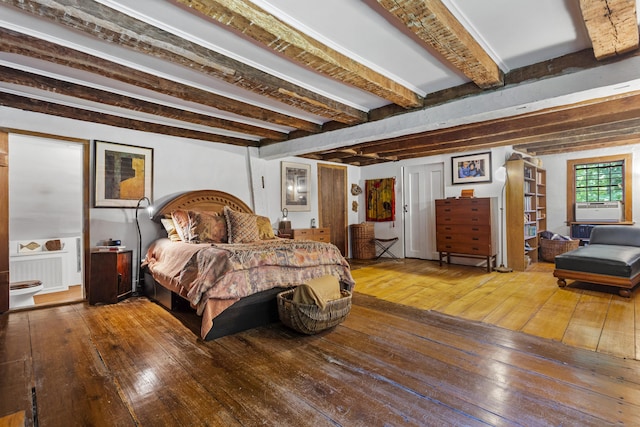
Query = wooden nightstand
x=110 y=279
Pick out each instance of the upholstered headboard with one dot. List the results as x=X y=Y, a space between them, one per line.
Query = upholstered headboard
x=202 y=200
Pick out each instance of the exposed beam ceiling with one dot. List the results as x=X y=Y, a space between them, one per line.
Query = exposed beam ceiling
x=612 y=26
x=434 y=24
x=268 y=72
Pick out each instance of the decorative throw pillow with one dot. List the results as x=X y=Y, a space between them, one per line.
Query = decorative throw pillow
x=182 y=223
x=265 y=230
x=200 y=227
x=242 y=227
x=208 y=227
x=170 y=226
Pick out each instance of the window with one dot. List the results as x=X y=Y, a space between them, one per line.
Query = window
x=599 y=179
x=600 y=182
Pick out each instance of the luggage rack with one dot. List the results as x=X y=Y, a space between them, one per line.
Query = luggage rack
x=385 y=245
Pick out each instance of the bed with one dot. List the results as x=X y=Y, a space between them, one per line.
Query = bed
x=231 y=281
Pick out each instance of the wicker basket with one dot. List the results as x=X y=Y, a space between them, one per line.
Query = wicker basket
x=309 y=318
x=362 y=243
x=549 y=248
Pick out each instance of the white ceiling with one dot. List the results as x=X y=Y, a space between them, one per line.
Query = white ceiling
x=515 y=33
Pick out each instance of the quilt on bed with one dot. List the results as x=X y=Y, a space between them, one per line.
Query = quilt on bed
x=214 y=276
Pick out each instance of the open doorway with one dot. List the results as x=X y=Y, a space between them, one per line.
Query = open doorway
x=46 y=218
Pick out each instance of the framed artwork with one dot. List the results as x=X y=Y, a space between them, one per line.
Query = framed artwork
x=471 y=168
x=295 y=186
x=123 y=174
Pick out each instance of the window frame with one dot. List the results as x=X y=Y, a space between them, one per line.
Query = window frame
x=627 y=201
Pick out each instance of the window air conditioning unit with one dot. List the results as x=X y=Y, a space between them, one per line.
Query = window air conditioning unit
x=598 y=211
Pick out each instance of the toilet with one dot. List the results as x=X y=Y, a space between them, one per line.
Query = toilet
x=21 y=293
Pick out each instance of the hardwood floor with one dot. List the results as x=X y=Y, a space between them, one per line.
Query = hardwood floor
x=430 y=357
x=73 y=294
x=581 y=315
x=133 y=363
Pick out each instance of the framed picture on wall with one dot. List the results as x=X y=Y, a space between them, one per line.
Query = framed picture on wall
x=123 y=174
x=471 y=168
x=295 y=186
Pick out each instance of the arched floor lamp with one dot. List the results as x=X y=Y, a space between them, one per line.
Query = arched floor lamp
x=149 y=207
x=501 y=176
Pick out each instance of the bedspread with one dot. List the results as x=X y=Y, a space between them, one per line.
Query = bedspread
x=214 y=276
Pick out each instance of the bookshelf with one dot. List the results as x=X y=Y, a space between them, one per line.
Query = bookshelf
x=526 y=212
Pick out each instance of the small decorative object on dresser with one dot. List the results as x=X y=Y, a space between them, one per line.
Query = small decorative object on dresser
x=467 y=227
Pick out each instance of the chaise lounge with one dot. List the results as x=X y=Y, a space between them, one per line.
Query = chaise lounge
x=611 y=258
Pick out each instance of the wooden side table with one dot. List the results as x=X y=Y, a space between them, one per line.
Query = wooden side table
x=111 y=276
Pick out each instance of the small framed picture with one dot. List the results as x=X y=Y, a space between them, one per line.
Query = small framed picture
x=472 y=168
x=123 y=175
x=295 y=184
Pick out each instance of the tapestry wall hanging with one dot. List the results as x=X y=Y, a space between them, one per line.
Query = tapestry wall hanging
x=381 y=199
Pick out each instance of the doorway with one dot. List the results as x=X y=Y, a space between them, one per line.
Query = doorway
x=47 y=199
x=422 y=185
x=332 y=203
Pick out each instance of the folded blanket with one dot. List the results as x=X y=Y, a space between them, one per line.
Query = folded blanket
x=318 y=291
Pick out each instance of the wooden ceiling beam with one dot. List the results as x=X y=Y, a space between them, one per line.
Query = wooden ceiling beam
x=612 y=26
x=581 y=133
x=25 y=45
x=599 y=143
x=23 y=78
x=573 y=138
x=86 y=115
x=434 y=24
x=507 y=129
x=269 y=31
x=111 y=26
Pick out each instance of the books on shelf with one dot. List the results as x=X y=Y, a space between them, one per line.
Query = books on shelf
x=530 y=230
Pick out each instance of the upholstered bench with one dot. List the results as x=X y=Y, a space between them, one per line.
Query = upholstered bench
x=611 y=258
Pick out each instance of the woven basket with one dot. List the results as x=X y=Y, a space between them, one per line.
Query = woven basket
x=362 y=243
x=309 y=318
x=550 y=248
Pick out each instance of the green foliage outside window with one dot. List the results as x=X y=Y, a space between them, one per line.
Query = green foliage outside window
x=600 y=182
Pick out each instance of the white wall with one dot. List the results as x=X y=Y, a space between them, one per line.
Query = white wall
x=179 y=165
x=388 y=170
x=45 y=188
x=556 y=166
x=183 y=164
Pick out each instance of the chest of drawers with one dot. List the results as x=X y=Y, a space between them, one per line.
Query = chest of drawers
x=467 y=227
x=318 y=234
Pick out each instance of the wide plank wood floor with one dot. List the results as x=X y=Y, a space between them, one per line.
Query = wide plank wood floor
x=581 y=315
x=389 y=364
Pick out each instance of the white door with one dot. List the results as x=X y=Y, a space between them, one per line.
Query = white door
x=423 y=184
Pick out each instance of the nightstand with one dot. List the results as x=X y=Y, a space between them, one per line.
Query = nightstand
x=110 y=279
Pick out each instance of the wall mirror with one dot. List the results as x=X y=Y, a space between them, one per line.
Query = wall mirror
x=295 y=186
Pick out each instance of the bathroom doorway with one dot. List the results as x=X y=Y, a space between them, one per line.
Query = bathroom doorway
x=47 y=199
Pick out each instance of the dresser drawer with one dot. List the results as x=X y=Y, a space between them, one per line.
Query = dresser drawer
x=463 y=229
x=302 y=233
x=316 y=234
x=466 y=217
x=476 y=248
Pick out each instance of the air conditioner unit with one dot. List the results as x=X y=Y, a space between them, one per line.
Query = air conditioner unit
x=598 y=211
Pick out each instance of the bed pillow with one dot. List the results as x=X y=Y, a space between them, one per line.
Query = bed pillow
x=170 y=226
x=241 y=227
x=182 y=223
x=265 y=230
x=200 y=227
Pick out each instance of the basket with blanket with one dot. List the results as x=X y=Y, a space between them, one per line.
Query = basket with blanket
x=315 y=306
